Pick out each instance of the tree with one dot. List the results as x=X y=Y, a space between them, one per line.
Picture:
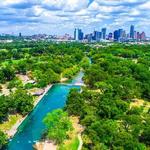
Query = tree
x=111 y=109
x=8 y=73
x=132 y=124
x=135 y=110
x=22 y=102
x=94 y=74
x=103 y=86
x=46 y=77
x=4 y=107
x=2 y=76
x=70 y=72
x=145 y=135
x=15 y=83
x=3 y=140
x=58 y=124
x=125 y=140
x=21 y=67
x=103 y=131
x=85 y=63
x=74 y=103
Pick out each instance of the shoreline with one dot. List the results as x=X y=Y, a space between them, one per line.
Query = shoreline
x=10 y=133
x=45 y=145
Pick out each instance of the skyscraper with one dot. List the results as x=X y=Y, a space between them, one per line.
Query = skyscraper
x=135 y=35
x=20 y=35
x=143 y=36
x=97 y=36
x=120 y=33
x=89 y=37
x=138 y=36
x=104 y=33
x=124 y=34
x=116 y=35
x=132 y=32
x=78 y=34
x=110 y=36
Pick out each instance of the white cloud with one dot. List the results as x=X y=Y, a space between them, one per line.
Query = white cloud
x=101 y=16
x=53 y=4
x=74 y=5
x=134 y=12
x=10 y=2
x=118 y=2
x=67 y=14
x=145 y=5
x=94 y=6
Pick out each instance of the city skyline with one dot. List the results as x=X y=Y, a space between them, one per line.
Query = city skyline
x=59 y=16
x=118 y=35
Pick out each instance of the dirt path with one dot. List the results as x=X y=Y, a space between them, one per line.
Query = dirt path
x=80 y=141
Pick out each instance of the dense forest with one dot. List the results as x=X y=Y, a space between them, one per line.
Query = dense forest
x=42 y=63
x=114 y=107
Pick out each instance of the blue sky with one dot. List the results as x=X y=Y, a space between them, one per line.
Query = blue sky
x=62 y=16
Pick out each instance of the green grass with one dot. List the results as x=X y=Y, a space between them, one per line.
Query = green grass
x=73 y=145
x=8 y=124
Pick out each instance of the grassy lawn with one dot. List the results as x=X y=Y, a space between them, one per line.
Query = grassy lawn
x=70 y=145
x=72 y=142
x=74 y=145
x=8 y=124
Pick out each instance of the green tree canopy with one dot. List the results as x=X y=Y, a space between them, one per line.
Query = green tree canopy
x=58 y=124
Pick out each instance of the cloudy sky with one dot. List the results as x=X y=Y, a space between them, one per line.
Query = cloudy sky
x=62 y=16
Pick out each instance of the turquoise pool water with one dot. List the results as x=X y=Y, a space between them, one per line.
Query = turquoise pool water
x=32 y=127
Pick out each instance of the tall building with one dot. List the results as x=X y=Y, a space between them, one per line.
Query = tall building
x=120 y=34
x=116 y=35
x=78 y=34
x=128 y=35
x=96 y=35
x=110 y=36
x=124 y=34
x=143 y=36
x=89 y=37
x=81 y=35
x=132 y=32
x=103 y=33
x=20 y=35
x=138 y=36
x=135 y=35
